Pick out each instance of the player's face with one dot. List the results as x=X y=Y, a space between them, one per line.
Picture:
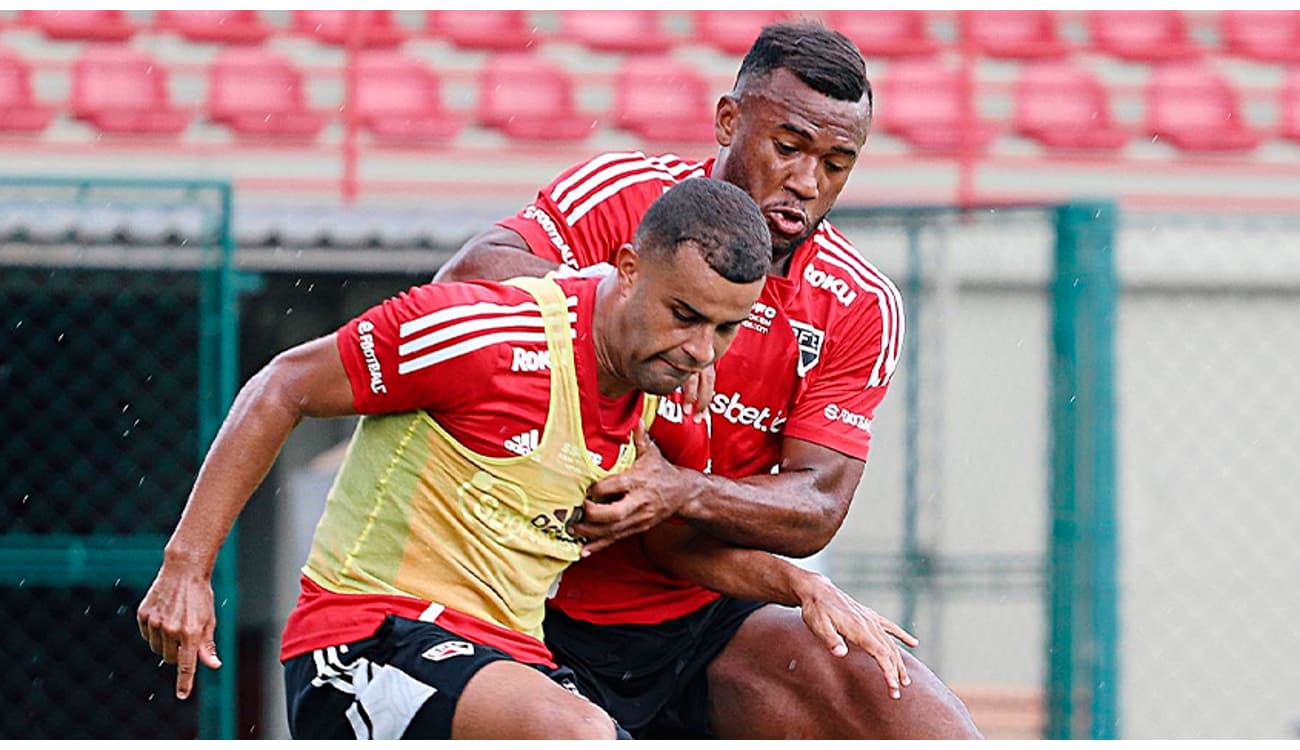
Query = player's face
x=791 y=148
x=681 y=317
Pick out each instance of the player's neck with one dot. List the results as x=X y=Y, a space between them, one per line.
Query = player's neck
x=606 y=322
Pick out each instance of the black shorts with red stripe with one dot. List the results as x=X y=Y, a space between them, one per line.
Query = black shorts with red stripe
x=401 y=683
x=653 y=679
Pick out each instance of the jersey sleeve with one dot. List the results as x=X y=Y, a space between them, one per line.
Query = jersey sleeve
x=681 y=441
x=592 y=209
x=838 y=400
x=425 y=348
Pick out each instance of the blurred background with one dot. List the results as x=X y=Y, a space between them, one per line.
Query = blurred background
x=1081 y=490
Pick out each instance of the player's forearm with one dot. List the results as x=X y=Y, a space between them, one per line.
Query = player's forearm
x=251 y=437
x=786 y=513
x=731 y=571
x=495 y=255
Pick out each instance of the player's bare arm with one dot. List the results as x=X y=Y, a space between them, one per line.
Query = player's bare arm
x=795 y=512
x=495 y=254
x=835 y=618
x=176 y=616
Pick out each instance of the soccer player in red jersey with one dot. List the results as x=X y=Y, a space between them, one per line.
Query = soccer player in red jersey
x=489 y=410
x=791 y=412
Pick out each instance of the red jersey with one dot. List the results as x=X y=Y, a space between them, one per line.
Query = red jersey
x=825 y=341
x=475 y=357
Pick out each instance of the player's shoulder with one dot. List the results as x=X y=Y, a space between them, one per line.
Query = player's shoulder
x=633 y=175
x=832 y=265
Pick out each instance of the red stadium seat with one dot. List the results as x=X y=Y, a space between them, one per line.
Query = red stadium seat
x=1142 y=35
x=19 y=112
x=663 y=100
x=920 y=100
x=81 y=25
x=530 y=98
x=638 y=31
x=256 y=92
x=732 y=31
x=224 y=26
x=400 y=99
x=1013 y=34
x=884 y=33
x=1062 y=105
x=1270 y=36
x=500 y=30
x=374 y=28
x=123 y=90
x=1195 y=108
x=1289 y=106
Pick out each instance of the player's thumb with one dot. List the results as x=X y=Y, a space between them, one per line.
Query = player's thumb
x=641 y=439
x=208 y=654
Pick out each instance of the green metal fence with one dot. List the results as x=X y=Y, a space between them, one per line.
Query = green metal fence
x=999 y=438
x=118 y=365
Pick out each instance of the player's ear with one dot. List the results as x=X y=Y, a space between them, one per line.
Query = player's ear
x=725 y=119
x=627 y=262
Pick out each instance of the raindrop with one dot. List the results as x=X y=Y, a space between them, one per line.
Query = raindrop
x=288 y=311
x=136 y=423
x=141 y=482
x=1155 y=138
x=793 y=663
x=117 y=583
x=627 y=676
x=1073 y=398
x=124 y=408
x=22 y=582
x=148 y=379
x=25 y=498
x=151 y=697
x=19 y=325
x=311 y=286
x=297 y=282
x=60 y=338
x=86 y=611
x=223 y=602
x=125 y=433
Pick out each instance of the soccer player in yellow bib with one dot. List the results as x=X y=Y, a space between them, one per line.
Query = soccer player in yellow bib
x=488 y=411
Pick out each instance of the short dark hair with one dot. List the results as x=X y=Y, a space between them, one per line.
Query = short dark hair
x=821 y=57
x=718 y=219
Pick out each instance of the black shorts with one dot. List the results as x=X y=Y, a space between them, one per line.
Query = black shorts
x=401 y=683
x=651 y=678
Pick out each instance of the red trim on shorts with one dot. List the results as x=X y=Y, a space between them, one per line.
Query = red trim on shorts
x=323 y=618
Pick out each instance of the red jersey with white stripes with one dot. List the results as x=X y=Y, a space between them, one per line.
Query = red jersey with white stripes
x=812 y=362
x=474 y=356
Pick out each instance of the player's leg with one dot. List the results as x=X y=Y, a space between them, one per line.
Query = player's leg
x=775 y=679
x=509 y=700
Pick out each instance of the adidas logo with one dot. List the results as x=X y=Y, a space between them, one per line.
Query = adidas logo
x=523 y=443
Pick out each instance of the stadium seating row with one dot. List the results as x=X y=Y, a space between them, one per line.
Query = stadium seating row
x=1143 y=36
x=256 y=92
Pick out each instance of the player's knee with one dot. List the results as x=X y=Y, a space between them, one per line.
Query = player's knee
x=580 y=721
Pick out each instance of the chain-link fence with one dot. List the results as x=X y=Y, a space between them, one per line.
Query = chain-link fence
x=1209 y=353
x=116 y=315
x=1206 y=350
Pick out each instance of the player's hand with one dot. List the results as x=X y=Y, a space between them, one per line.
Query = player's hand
x=633 y=501
x=697 y=392
x=841 y=622
x=177 y=620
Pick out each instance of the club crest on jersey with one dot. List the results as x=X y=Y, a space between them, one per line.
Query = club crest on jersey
x=448 y=649
x=810 y=345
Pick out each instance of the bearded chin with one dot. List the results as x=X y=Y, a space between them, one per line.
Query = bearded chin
x=786 y=249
